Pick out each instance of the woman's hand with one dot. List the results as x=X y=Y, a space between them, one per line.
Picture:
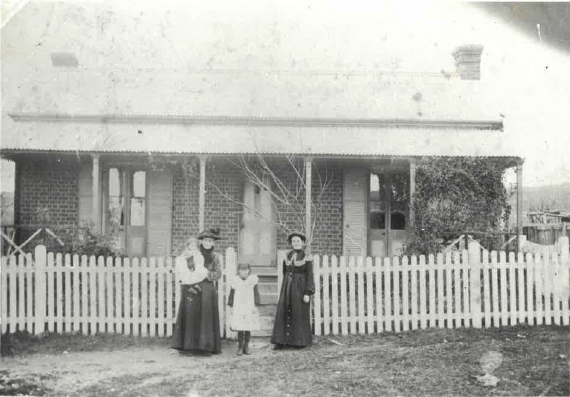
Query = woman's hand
x=195 y=289
x=306 y=298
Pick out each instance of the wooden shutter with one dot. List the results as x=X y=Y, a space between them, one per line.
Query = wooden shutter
x=159 y=213
x=355 y=193
x=85 y=193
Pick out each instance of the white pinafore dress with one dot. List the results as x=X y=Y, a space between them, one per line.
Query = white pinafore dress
x=244 y=314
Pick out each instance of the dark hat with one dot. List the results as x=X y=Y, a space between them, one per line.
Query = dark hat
x=298 y=234
x=212 y=233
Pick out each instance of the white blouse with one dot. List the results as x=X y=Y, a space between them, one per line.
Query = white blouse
x=187 y=276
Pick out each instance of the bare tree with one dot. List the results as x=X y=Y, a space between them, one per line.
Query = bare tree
x=285 y=181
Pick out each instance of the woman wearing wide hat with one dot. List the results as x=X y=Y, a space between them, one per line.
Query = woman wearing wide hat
x=292 y=325
x=198 y=321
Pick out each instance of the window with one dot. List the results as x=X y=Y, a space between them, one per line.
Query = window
x=138 y=198
x=121 y=181
x=116 y=199
x=377 y=202
x=399 y=199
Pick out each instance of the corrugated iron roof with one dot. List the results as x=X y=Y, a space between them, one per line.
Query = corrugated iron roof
x=248 y=94
x=232 y=139
x=111 y=81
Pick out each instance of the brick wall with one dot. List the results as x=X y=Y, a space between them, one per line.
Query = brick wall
x=224 y=193
x=327 y=235
x=224 y=186
x=50 y=183
x=185 y=210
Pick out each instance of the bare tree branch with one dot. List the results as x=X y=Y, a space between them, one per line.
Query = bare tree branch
x=287 y=195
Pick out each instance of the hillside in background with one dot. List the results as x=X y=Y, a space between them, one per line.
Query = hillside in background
x=548 y=197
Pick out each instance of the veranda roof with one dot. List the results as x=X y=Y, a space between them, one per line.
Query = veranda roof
x=341 y=140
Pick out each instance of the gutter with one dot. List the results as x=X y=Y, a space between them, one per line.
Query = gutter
x=253 y=121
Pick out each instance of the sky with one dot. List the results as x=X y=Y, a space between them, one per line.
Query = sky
x=531 y=79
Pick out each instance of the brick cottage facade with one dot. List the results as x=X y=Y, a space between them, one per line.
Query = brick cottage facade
x=36 y=179
x=107 y=146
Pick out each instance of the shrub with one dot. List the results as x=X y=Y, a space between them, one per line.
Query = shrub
x=454 y=196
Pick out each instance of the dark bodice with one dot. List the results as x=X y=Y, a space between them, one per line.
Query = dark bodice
x=297 y=261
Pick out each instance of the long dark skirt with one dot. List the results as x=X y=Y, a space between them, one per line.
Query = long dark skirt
x=198 y=320
x=293 y=318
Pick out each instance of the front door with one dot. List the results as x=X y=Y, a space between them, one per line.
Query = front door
x=257 y=228
x=125 y=197
x=388 y=213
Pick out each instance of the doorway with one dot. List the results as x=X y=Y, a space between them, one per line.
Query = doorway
x=388 y=213
x=125 y=200
x=257 y=240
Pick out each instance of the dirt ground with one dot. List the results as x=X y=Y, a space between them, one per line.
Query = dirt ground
x=428 y=362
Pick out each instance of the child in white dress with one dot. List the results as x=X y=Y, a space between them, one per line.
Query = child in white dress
x=243 y=300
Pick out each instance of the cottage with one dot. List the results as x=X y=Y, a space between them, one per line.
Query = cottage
x=153 y=155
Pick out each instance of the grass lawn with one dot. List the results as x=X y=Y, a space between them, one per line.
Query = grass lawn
x=428 y=362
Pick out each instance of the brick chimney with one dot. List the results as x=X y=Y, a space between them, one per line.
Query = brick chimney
x=468 y=61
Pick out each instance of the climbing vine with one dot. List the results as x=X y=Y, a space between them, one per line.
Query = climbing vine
x=455 y=196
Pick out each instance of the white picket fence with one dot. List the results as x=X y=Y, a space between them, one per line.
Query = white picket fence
x=56 y=293
x=469 y=289
x=67 y=293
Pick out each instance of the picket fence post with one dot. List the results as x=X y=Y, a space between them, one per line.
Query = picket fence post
x=475 y=284
x=360 y=293
x=4 y=296
x=512 y=289
x=343 y=298
x=414 y=295
x=29 y=293
x=352 y=294
x=334 y=297
x=40 y=256
x=230 y=270
x=12 y=272
x=325 y=271
x=564 y=281
x=369 y=296
x=316 y=320
x=405 y=294
x=378 y=276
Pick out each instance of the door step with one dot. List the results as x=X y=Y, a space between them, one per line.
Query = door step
x=268 y=299
x=262 y=271
x=266 y=317
x=267 y=288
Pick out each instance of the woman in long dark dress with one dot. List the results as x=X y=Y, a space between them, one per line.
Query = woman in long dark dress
x=292 y=325
x=198 y=321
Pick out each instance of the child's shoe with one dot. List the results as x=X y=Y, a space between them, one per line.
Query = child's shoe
x=240 y=350
x=246 y=349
